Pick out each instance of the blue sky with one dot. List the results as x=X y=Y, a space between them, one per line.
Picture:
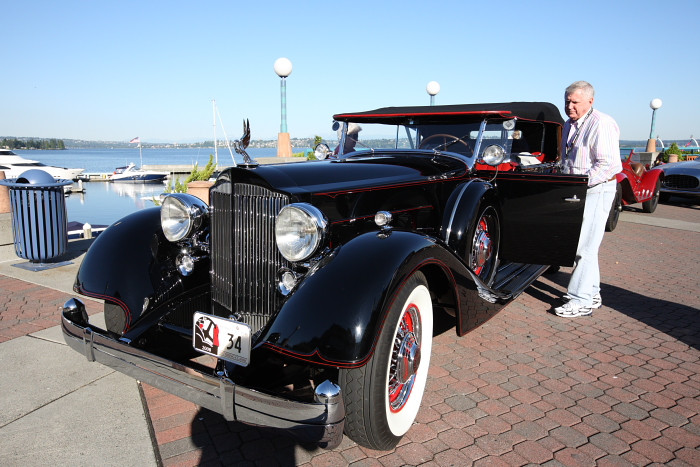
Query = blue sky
x=107 y=70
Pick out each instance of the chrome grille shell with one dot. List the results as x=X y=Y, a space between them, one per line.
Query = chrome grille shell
x=244 y=256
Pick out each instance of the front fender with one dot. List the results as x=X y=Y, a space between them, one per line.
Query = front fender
x=131 y=266
x=335 y=315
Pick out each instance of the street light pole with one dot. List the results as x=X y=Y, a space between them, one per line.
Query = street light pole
x=433 y=88
x=651 y=142
x=283 y=68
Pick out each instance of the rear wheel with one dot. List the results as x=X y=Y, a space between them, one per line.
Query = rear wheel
x=615 y=210
x=483 y=253
x=382 y=398
x=650 y=205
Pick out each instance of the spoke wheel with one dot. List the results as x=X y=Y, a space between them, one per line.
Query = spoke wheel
x=615 y=210
x=483 y=252
x=650 y=205
x=382 y=398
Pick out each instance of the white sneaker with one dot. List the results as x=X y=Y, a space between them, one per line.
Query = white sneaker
x=597 y=300
x=572 y=310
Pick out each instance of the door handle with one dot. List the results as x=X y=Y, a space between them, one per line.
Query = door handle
x=575 y=199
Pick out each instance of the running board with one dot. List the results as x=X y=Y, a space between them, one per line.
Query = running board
x=514 y=278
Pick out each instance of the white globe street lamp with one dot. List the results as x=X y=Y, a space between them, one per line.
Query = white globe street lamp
x=283 y=68
x=433 y=88
x=655 y=104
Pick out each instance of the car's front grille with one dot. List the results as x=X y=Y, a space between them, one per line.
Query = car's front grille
x=244 y=257
x=681 y=182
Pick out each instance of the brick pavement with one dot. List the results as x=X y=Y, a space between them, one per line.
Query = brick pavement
x=26 y=307
x=619 y=388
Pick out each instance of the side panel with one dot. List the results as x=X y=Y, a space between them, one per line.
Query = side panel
x=542 y=216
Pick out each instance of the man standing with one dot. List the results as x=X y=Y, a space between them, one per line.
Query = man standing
x=590 y=146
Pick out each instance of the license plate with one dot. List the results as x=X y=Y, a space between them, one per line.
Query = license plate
x=222 y=338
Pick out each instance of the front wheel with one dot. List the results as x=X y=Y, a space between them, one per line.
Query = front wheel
x=382 y=398
x=650 y=205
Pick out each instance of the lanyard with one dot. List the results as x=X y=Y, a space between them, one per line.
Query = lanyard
x=572 y=142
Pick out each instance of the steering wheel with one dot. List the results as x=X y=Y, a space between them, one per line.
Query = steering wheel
x=442 y=139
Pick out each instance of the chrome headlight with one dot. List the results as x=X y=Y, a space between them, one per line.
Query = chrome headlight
x=299 y=230
x=181 y=215
x=493 y=155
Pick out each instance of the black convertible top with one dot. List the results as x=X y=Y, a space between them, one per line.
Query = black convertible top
x=536 y=111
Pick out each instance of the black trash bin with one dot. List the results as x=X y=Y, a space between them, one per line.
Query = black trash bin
x=39 y=224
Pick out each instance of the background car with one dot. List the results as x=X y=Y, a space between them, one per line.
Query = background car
x=681 y=179
x=635 y=184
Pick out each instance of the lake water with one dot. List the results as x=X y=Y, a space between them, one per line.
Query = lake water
x=104 y=203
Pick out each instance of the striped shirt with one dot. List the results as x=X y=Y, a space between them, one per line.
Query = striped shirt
x=594 y=150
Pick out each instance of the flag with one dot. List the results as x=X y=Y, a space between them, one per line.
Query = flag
x=687 y=144
x=135 y=140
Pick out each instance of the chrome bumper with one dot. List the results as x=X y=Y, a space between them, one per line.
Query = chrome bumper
x=321 y=421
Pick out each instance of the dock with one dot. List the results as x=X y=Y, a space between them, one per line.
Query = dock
x=183 y=169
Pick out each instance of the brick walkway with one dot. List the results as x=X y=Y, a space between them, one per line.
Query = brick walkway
x=619 y=388
x=26 y=308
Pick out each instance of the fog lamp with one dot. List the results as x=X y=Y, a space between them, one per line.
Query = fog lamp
x=287 y=281
x=185 y=264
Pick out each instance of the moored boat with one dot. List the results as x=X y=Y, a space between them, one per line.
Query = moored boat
x=133 y=174
x=14 y=165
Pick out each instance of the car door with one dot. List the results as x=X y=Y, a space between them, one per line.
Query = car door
x=541 y=216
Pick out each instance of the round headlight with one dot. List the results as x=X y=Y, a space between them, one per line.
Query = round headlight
x=181 y=215
x=299 y=230
x=493 y=155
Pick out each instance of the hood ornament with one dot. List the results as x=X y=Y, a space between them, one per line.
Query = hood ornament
x=240 y=146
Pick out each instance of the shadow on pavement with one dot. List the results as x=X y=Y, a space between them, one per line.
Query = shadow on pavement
x=675 y=319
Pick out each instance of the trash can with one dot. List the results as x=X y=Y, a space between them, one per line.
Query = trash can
x=38 y=206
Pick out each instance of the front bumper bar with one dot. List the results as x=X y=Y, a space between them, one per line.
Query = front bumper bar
x=321 y=421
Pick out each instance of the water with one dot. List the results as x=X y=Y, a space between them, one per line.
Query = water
x=104 y=203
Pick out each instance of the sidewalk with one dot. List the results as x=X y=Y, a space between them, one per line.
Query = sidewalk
x=620 y=388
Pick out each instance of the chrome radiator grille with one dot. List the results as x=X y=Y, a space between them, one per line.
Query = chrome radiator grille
x=244 y=257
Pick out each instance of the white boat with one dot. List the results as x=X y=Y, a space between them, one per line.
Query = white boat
x=133 y=174
x=14 y=165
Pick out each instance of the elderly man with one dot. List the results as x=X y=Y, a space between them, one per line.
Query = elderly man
x=590 y=146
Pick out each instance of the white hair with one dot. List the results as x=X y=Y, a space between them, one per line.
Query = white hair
x=585 y=87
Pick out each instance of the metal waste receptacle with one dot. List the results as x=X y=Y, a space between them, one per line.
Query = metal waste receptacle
x=38 y=208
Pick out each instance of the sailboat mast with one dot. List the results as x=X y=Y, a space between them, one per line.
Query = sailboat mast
x=140 y=155
x=216 y=150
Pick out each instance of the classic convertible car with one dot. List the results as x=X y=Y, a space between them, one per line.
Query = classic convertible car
x=303 y=295
x=635 y=184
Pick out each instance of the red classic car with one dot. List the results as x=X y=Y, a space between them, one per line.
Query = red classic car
x=635 y=184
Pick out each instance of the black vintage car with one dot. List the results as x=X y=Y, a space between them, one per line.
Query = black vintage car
x=308 y=291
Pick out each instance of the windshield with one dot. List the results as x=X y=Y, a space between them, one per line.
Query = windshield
x=468 y=139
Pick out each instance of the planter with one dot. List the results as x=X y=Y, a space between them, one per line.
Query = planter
x=672 y=158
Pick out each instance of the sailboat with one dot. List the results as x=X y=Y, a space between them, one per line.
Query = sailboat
x=132 y=174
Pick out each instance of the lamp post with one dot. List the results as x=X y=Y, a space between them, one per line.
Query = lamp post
x=283 y=68
x=433 y=88
x=651 y=143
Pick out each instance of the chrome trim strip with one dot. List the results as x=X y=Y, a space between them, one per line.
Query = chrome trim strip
x=320 y=422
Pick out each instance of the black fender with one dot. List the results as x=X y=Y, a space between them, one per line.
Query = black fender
x=131 y=266
x=335 y=315
x=460 y=211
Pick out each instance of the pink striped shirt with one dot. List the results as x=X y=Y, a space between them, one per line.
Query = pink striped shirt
x=595 y=151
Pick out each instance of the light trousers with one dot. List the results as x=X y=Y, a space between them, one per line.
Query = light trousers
x=585 y=278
